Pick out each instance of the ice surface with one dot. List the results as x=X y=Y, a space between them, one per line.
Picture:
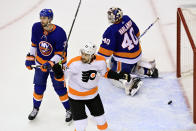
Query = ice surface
x=147 y=111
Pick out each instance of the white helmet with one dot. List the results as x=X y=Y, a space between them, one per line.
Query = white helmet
x=89 y=48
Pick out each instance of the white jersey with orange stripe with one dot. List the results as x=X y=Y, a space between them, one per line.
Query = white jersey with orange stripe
x=83 y=78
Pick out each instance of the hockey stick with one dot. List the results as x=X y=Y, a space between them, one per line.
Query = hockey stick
x=35 y=66
x=70 y=31
x=39 y=66
x=148 y=28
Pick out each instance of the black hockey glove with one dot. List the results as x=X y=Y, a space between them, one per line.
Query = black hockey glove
x=116 y=76
x=125 y=76
x=86 y=75
x=58 y=71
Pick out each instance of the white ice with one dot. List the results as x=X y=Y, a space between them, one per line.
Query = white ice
x=147 y=111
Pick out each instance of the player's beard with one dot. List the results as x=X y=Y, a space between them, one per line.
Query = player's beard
x=44 y=24
x=85 y=60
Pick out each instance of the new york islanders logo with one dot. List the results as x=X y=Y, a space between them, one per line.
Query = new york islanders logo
x=45 y=48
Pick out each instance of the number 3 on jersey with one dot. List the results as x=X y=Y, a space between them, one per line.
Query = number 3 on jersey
x=127 y=42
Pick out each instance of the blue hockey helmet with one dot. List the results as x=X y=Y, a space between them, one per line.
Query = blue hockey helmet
x=46 y=13
x=115 y=14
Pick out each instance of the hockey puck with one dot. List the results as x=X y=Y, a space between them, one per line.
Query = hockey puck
x=169 y=102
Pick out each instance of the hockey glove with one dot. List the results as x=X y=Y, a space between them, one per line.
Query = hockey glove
x=58 y=71
x=125 y=76
x=30 y=60
x=116 y=76
x=47 y=66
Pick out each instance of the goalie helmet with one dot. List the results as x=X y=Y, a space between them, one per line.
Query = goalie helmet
x=89 y=48
x=115 y=14
x=46 y=13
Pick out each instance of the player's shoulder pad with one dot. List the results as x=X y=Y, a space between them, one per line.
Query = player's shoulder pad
x=126 y=17
x=109 y=30
x=37 y=25
x=60 y=29
x=100 y=58
x=75 y=59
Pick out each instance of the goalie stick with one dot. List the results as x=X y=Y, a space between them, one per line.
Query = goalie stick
x=148 y=28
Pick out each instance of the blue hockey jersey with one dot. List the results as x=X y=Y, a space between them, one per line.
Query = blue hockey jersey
x=121 y=41
x=48 y=44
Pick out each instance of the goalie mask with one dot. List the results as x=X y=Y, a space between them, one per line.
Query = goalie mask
x=88 y=52
x=115 y=14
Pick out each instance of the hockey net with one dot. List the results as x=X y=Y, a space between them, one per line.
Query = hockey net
x=186 y=49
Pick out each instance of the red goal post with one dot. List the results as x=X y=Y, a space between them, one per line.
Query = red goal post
x=182 y=23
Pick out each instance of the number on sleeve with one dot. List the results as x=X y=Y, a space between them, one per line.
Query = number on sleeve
x=106 y=41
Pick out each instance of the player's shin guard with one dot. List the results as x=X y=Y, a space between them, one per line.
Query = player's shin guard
x=102 y=124
x=38 y=95
x=65 y=101
x=147 y=68
x=80 y=125
x=62 y=93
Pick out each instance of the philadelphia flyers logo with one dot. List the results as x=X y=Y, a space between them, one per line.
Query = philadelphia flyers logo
x=86 y=75
x=45 y=48
x=93 y=75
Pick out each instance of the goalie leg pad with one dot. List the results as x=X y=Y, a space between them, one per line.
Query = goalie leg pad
x=136 y=86
x=117 y=83
x=147 y=63
x=147 y=67
x=133 y=86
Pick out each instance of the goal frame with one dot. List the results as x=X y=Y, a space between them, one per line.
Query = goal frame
x=181 y=20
